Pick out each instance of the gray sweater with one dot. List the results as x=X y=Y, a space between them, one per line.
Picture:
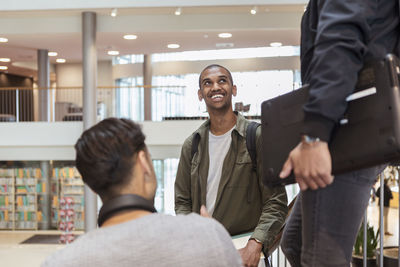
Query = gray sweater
x=153 y=240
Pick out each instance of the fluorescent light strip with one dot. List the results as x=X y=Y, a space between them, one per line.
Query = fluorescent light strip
x=225 y=35
x=173 y=46
x=130 y=37
x=113 y=53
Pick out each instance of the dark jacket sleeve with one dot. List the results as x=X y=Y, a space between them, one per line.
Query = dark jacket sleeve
x=183 y=200
x=274 y=210
x=342 y=32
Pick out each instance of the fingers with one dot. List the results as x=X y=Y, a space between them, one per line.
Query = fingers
x=302 y=184
x=204 y=212
x=313 y=181
x=327 y=178
x=311 y=165
x=287 y=168
x=318 y=180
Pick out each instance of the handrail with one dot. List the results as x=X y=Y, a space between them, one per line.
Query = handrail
x=98 y=87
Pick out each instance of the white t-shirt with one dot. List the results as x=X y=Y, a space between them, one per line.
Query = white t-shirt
x=218 y=146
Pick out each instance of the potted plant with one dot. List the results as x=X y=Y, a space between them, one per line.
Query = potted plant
x=390 y=256
x=372 y=243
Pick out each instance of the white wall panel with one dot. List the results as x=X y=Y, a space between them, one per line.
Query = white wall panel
x=55 y=141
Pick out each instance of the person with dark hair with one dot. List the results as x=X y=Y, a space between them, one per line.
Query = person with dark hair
x=387 y=196
x=220 y=174
x=337 y=38
x=114 y=162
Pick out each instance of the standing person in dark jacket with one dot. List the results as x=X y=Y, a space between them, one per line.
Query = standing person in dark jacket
x=337 y=37
x=387 y=196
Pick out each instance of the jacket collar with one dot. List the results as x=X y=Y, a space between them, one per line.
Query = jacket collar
x=240 y=126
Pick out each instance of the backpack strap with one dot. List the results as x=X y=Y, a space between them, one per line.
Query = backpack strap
x=195 y=145
x=251 y=142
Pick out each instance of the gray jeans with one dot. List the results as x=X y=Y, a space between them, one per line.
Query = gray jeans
x=324 y=223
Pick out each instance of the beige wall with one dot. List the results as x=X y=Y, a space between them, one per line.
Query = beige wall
x=70 y=74
x=55 y=141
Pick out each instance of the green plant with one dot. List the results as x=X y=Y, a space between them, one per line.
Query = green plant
x=372 y=241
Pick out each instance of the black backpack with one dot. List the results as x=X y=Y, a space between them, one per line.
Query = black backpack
x=250 y=143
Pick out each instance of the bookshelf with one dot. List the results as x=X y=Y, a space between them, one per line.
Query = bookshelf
x=55 y=199
x=22 y=194
x=7 y=199
x=26 y=198
x=71 y=185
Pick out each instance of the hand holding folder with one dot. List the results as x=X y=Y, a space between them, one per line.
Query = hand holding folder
x=366 y=136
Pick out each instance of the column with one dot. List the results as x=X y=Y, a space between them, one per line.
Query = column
x=89 y=101
x=147 y=77
x=44 y=84
x=44 y=115
x=45 y=204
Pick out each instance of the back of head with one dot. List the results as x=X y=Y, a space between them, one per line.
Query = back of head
x=105 y=154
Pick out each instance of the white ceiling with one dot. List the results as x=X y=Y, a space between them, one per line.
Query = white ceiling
x=195 y=29
x=75 y=4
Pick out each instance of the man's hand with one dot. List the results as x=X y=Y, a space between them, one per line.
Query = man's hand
x=311 y=164
x=251 y=253
x=204 y=212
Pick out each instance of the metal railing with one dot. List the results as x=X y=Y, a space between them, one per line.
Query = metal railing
x=19 y=104
x=278 y=259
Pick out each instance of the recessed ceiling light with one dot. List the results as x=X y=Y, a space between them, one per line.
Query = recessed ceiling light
x=224 y=45
x=130 y=36
x=3 y=67
x=173 y=46
x=60 y=60
x=5 y=59
x=52 y=54
x=254 y=10
x=113 y=52
x=114 y=12
x=3 y=40
x=178 y=11
x=275 y=44
x=225 y=35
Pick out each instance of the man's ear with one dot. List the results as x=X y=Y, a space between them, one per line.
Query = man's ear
x=144 y=161
x=200 y=95
x=234 y=90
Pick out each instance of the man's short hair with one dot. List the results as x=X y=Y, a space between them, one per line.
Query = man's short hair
x=105 y=154
x=215 y=66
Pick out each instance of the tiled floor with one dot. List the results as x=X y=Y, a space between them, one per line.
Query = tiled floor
x=13 y=254
x=373 y=219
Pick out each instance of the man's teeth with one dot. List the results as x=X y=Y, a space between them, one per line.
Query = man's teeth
x=216 y=96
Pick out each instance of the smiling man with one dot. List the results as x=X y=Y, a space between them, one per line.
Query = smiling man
x=218 y=173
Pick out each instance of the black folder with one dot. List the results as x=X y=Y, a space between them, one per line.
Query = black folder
x=367 y=135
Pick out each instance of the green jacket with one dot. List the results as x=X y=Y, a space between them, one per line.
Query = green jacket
x=243 y=203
